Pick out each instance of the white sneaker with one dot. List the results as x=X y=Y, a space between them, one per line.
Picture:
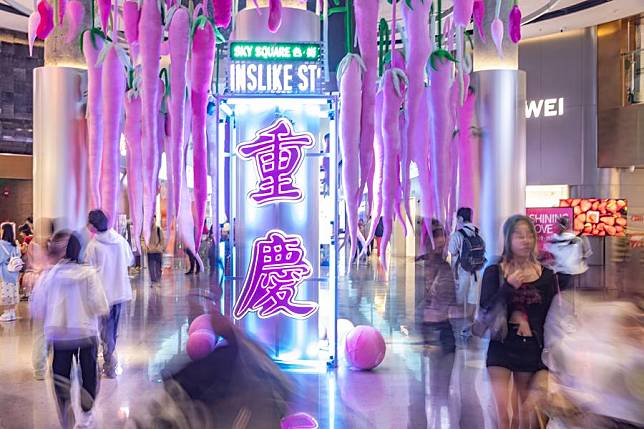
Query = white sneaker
x=85 y=420
x=8 y=316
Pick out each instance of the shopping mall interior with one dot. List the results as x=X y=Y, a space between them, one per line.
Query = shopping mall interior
x=291 y=214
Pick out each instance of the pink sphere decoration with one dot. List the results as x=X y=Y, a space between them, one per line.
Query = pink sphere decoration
x=365 y=347
x=200 y=322
x=299 y=421
x=200 y=344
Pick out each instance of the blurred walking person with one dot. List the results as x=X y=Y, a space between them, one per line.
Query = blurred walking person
x=570 y=253
x=155 y=249
x=10 y=265
x=111 y=255
x=70 y=299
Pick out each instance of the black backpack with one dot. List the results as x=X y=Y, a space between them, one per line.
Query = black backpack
x=472 y=257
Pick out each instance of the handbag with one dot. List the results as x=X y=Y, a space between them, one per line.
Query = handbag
x=15 y=263
x=494 y=319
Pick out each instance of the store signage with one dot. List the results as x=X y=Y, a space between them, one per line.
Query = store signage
x=278 y=152
x=545 y=107
x=545 y=221
x=278 y=265
x=275 y=68
x=258 y=51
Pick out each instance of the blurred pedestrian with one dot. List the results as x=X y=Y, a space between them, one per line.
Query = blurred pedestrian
x=111 y=255
x=10 y=265
x=69 y=300
x=520 y=290
x=155 y=249
x=569 y=252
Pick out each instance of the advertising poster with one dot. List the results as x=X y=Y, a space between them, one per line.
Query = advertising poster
x=545 y=221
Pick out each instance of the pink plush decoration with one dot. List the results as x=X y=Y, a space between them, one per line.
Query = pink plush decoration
x=497 y=35
x=299 y=421
x=32 y=25
x=514 y=24
x=46 y=24
x=200 y=344
x=75 y=12
x=201 y=322
x=463 y=12
x=365 y=347
x=479 y=14
x=223 y=11
x=274 y=15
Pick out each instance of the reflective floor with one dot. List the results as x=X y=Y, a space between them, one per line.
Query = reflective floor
x=419 y=384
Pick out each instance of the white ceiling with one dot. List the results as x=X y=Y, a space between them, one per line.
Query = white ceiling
x=610 y=11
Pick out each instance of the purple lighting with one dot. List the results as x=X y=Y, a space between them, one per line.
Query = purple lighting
x=278 y=266
x=278 y=153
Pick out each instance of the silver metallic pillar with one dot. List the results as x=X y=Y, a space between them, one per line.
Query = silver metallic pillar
x=59 y=149
x=500 y=109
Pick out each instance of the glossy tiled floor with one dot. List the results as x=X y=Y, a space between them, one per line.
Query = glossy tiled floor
x=417 y=386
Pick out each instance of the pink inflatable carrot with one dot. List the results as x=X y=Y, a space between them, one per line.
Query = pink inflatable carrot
x=463 y=12
x=274 y=15
x=32 y=24
x=92 y=46
x=496 y=29
x=514 y=23
x=104 y=10
x=393 y=97
x=161 y=137
x=202 y=63
x=74 y=13
x=46 y=23
x=366 y=14
x=179 y=40
x=223 y=12
x=378 y=151
x=349 y=77
x=131 y=18
x=133 y=162
x=478 y=11
x=113 y=90
x=417 y=130
x=466 y=150
x=150 y=33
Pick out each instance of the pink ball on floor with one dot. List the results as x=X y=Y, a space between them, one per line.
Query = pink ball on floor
x=200 y=322
x=200 y=344
x=299 y=421
x=365 y=347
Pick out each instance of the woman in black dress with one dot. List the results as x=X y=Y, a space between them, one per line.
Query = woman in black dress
x=527 y=289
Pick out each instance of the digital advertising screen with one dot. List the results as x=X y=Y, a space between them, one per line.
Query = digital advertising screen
x=598 y=217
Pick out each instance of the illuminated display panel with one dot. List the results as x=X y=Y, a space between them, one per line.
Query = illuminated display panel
x=598 y=217
x=261 y=51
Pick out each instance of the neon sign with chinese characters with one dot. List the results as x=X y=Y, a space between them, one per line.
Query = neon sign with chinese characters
x=258 y=51
x=278 y=265
x=278 y=152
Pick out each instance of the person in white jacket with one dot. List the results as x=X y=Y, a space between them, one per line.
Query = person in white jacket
x=69 y=299
x=570 y=253
x=111 y=255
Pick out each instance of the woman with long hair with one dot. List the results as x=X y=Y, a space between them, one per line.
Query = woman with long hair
x=525 y=289
x=10 y=266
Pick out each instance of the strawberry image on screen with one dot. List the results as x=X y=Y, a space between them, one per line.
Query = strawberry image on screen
x=598 y=217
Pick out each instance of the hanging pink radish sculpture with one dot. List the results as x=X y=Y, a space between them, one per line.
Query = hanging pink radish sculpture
x=349 y=77
x=223 y=12
x=514 y=23
x=496 y=29
x=161 y=137
x=366 y=16
x=92 y=46
x=378 y=151
x=393 y=97
x=179 y=40
x=150 y=34
x=74 y=15
x=417 y=121
x=478 y=11
x=113 y=91
x=466 y=153
x=133 y=161
x=274 y=15
x=104 y=9
x=32 y=25
x=463 y=12
x=131 y=18
x=46 y=23
x=201 y=68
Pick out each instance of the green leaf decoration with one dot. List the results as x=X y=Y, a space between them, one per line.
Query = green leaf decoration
x=441 y=55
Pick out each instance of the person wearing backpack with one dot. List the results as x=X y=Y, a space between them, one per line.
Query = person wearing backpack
x=570 y=253
x=155 y=252
x=467 y=250
x=10 y=266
